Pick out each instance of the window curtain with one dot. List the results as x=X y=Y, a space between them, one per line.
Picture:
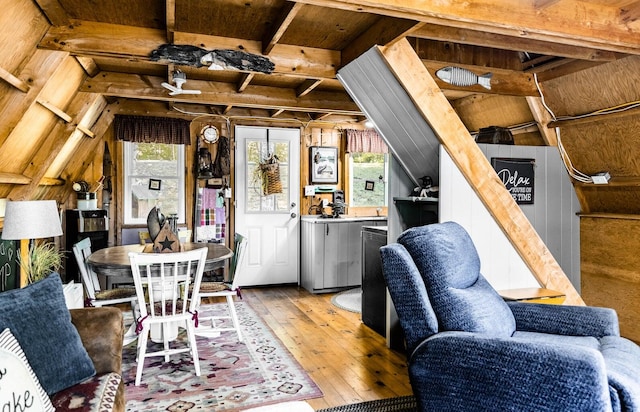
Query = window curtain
x=365 y=141
x=148 y=129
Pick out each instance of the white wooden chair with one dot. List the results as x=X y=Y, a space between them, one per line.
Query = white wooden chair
x=95 y=295
x=162 y=282
x=228 y=291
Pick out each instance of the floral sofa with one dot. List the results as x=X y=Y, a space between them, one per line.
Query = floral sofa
x=56 y=359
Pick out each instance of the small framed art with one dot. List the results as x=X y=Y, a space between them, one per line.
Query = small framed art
x=324 y=164
x=154 y=184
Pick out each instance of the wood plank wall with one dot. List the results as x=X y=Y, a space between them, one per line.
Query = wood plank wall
x=609 y=223
x=610 y=262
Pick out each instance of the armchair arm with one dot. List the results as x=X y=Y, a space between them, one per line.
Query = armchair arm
x=101 y=330
x=462 y=371
x=565 y=320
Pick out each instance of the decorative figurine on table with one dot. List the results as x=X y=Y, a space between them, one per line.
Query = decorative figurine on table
x=164 y=239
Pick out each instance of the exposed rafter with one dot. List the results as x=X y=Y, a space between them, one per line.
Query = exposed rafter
x=286 y=17
x=551 y=24
x=136 y=43
x=149 y=87
x=170 y=6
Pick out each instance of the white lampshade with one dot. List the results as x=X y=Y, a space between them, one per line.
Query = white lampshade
x=31 y=219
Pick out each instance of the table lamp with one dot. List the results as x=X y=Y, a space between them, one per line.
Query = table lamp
x=27 y=220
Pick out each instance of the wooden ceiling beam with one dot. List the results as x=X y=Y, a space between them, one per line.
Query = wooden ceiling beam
x=41 y=68
x=95 y=39
x=505 y=82
x=568 y=67
x=276 y=113
x=500 y=41
x=555 y=24
x=218 y=93
x=53 y=10
x=89 y=65
x=13 y=80
x=284 y=20
x=630 y=13
x=170 y=7
x=307 y=86
x=245 y=80
x=54 y=109
x=83 y=104
x=541 y=4
x=386 y=30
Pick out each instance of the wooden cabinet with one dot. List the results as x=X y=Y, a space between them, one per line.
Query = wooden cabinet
x=331 y=252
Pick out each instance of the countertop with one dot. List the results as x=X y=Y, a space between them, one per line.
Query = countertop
x=320 y=219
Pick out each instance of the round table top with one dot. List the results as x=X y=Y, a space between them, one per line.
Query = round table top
x=114 y=260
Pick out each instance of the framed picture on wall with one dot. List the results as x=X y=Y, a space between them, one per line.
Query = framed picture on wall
x=324 y=164
x=154 y=184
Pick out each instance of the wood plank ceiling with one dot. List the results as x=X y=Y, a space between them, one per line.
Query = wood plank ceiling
x=309 y=40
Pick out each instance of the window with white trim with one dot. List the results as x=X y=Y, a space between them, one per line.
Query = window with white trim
x=154 y=175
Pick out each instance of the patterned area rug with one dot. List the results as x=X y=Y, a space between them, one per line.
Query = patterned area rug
x=235 y=376
x=350 y=300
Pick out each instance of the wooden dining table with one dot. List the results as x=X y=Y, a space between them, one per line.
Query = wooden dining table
x=114 y=261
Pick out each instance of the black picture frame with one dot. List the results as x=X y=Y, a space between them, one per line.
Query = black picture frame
x=155 y=184
x=518 y=177
x=369 y=184
x=323 y=164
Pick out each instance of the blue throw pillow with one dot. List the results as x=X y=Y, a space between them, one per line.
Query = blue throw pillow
x=40 y=320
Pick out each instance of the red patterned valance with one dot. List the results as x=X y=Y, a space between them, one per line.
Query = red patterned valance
x=148 y=129
x=365 y=141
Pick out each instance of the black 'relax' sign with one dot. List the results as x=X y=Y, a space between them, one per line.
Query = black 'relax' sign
x=517 y=176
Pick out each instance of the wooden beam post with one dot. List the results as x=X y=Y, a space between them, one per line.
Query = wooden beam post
x=456 y=140
x=24 y=257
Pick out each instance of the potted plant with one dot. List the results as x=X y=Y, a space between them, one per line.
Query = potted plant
x=43 y=259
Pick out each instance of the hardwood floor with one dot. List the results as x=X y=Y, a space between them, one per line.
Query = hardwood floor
x=346 y=359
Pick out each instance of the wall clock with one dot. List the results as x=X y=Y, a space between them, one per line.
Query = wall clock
x=210 y=133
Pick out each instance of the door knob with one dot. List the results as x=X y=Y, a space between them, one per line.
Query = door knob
x=293 y=215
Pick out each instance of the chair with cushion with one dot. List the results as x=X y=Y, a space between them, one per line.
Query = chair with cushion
x=213 y=325
x=96 y=296
x=470 y=350
x=162 y=282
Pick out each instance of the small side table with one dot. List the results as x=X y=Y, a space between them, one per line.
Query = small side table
x=533 y=295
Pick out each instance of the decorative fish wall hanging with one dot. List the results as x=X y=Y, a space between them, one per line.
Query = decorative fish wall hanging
x=458 y=76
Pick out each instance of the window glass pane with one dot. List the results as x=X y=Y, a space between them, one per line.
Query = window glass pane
x=165 y=165
x=368 y=179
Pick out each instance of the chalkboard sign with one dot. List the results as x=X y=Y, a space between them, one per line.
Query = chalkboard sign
x=518 y=177
x=9 y=267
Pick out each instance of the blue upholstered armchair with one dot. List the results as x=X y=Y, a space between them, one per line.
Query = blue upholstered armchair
x=468 y=350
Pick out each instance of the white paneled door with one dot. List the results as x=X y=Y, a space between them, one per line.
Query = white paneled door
x=267 y=210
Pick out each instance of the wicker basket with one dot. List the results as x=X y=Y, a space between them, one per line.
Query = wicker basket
x=271 y=183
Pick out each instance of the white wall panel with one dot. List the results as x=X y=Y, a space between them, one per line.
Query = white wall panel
x=500 y=263
x=553 y=215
